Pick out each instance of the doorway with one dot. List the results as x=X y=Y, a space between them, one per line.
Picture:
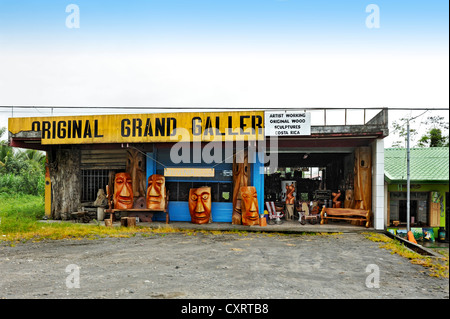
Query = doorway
x=403 y=211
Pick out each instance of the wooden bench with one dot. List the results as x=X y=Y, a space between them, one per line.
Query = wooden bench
x=359 y=215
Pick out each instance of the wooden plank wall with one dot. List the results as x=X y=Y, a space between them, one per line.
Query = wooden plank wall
x=104 y=159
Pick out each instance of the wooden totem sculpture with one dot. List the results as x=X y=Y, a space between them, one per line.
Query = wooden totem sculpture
x=290 y=201
x=363 y=178
x=200 y=205
x=241 y=175
x=336 y=201
x=136 y=169
x=249 y=207
x=123 y=191
x=156 y=193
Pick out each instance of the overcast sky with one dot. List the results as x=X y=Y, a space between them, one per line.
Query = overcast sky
x=233 y=53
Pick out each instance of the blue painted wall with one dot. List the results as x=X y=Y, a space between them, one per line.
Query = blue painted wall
x=179 y=212
x=221 y=212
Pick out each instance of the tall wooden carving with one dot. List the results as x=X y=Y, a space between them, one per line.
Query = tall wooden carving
x=136 y=169
x=335 y=199
x=241 y=175
x=290 y=201
x=363 y=178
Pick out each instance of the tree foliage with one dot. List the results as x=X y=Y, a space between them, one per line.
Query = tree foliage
x=436 y=134
x=21 y=171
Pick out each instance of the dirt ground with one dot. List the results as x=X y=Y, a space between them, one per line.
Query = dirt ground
x=208 y=266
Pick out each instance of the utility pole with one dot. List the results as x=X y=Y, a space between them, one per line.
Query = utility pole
x=408 y=181
x=408 y=175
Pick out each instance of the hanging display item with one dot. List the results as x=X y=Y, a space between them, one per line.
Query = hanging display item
x=200 y=205
x=123 y=191
x=250 y=211
x=156 y=193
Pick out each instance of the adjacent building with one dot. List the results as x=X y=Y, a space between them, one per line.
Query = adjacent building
x=429 y=187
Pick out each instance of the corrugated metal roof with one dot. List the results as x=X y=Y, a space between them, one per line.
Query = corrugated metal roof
x=427 y=164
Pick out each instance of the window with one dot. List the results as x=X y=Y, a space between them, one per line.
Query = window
x=221 y=184
x=418 y=208
x=91 y=181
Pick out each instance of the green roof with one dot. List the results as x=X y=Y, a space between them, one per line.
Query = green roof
x=427 y=164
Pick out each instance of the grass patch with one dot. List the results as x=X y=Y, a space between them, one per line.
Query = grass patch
x=437 y=267
x=18 y=213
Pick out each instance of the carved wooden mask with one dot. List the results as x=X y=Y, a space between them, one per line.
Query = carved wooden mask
x=123 y=191
x=200 y=205
x=250 y=212
x=156 y=192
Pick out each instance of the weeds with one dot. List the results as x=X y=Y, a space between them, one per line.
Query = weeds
x=438 y=267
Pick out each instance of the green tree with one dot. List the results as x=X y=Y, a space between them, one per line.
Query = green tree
x=21 y=171
x=435 y=136
x=436 y=132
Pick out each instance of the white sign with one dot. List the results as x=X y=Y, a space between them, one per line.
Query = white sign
x=188 y=172
x=287 y=123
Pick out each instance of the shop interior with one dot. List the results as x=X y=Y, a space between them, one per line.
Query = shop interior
x=316 y=176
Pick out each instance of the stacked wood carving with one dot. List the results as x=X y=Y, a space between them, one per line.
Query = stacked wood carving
x=131 y=195
x=241 y=175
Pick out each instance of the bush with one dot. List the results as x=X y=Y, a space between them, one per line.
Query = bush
x=19 y=212
x=32 y=183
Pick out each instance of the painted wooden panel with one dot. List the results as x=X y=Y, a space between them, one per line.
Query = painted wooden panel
x=104 y=159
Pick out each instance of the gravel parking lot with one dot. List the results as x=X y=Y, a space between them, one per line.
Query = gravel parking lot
x=210 y=266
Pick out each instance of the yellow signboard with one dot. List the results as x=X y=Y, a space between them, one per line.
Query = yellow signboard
x=142 y=128
x=188 y=172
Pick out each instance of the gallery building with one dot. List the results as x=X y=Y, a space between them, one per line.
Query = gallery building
x=272 y=149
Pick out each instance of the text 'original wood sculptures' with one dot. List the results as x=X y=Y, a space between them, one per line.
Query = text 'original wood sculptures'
x=156 y=193
x=123 y=191
x=249 y=207
x=200 y=205
x=241 y=173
